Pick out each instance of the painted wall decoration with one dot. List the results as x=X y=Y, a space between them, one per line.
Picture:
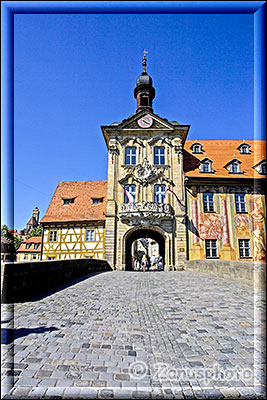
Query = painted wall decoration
x=210 y=226
x=227 y=226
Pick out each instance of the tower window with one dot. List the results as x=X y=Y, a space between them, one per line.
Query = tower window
x=130 y=155
x=131 y=190
x=159 y=155
x=211 y=248
x=160 y=194
x=244 y=248
x=208 y=203
x=144 y=101
x=240 y=203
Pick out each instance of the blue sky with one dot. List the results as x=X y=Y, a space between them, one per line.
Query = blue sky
x=74 y=73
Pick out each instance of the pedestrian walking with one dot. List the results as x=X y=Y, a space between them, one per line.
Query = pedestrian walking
x=144 y=263
x=160 y=263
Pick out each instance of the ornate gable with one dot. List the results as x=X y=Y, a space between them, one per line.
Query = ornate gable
x=145 y=120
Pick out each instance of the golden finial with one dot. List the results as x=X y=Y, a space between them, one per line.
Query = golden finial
x=144 y=61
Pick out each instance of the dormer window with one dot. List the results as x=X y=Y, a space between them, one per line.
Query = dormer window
x=68 y=201
x=97 y=200
x=197 y=148
x=206 y=166
x=28 y=245
x=261 y=167
x=244 y=148
x=234 y=166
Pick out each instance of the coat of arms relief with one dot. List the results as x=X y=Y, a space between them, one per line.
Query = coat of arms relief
x=144 y=173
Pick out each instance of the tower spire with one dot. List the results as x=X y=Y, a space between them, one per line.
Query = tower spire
x=144 y=91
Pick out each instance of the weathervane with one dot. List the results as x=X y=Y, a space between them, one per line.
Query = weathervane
x=144 y=61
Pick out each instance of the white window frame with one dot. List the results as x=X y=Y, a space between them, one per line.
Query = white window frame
x=208 y=202
x=208 y=164
x=90 y=235
x=240 y=203
x=211 y=248
x=263 y=165
x=130 y=159
x=130 y=189
x=244 y=149
x=237 y=165
x=160 y=194
x=52 y=236
x=197 y=149
x=159 y=155
x=244 y=248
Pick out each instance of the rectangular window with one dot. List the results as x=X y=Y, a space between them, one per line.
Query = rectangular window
x=160 y=194
x=25 y=256
x=51 y=258
x=36 y=246
x=52 y=236
x=244 y=248
x=159 y=155
x=206 y=167
x=34 y=257
x=208 y=204
x=240 y=203
x=235 y=169
x=131 y=190
x=211 y=248
x=28 y=245
x=130 y=155
x=90 y=235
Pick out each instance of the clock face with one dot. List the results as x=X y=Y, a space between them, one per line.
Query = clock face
x=145 y=122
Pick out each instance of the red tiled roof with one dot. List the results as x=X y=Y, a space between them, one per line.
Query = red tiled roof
x=33 y=240
x=82 y=209
x=221 y=152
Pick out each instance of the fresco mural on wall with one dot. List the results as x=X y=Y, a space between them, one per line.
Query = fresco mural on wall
x=210 y=226
x=242 y=225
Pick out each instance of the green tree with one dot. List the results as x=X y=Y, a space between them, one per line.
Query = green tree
x=14 y=240
x=37 y=231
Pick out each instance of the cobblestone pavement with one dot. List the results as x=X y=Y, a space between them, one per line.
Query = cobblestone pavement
x=137 y=335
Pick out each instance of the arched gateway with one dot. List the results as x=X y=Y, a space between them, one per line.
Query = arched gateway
x=140 y=233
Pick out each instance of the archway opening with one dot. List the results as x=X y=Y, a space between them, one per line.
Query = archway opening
x=143 y=242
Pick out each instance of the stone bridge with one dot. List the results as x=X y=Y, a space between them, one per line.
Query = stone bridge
x=137 y=335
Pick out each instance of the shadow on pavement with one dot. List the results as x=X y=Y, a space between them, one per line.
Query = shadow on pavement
x=34 y=295
x=9 y=335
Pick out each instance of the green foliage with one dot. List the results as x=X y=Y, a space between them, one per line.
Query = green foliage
x=17 y=242
x=8 y=235
x=38 y=231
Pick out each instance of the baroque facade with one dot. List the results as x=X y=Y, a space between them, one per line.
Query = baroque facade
x=196 y=199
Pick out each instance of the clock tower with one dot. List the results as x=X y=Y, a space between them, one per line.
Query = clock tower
x=145 y=193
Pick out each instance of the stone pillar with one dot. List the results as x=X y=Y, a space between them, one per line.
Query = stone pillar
x=196 y=251
x=226 y=252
